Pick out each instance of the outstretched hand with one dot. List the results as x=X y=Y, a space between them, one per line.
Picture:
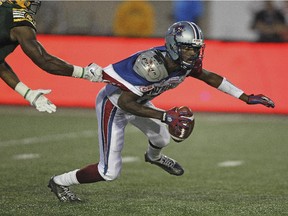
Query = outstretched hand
x=38 y=100
x=93 y=72
x=260 y=99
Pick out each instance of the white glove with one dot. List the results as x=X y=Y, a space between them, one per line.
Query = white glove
x=93 y=72
x=37 y=99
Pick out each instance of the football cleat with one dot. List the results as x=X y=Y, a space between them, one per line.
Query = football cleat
x=168 y=164
x=63 y=193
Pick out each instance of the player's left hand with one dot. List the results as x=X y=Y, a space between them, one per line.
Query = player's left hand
x=93 y=72
x=260 y=99
x=41 y=103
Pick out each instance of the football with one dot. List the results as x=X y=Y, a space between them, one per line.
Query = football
x=184 y=132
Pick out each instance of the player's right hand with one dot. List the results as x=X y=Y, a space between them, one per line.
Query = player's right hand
x=37 y=99
x=175 y=119
x=93 y=72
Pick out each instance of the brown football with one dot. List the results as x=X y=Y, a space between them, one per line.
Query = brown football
x=184 y=133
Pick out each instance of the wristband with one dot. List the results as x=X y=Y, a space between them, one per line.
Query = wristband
x=78 y=71
x=22 y=89
x=229 y=88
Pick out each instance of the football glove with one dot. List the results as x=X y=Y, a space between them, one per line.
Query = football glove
x=176 y=119
x=93 y=72
x=38 y=100
x=260 y=99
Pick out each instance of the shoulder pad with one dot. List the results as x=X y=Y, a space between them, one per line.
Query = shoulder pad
x=150 y=65
x=21 y=17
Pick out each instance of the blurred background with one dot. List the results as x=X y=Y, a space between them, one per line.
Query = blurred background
x=246 y=41
x=224 y=20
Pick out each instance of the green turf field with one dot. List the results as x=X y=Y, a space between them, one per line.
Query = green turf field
x=234 y=165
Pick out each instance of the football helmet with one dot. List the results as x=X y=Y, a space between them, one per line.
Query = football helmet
x=31 y=6
x=182 y=34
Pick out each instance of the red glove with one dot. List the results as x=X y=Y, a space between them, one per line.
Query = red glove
x=176 y=119
x=260 y=99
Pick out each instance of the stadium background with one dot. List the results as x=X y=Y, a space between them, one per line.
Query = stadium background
x=86 y=35
x=34 y=145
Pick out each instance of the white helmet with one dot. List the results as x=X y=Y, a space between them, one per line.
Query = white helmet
x=184 y=33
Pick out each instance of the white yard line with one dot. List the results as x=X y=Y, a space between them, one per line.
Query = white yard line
x=48 y=138
x=26 y=156
x=130 y=159
x=230 y=163
x=56 y=137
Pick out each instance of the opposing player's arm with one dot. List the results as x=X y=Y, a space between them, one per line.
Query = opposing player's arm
x=8 y=75
x=35 y=97
x=26 y=36
x=222 y=84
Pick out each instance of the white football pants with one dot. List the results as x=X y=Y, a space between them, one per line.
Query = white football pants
x=111 y=127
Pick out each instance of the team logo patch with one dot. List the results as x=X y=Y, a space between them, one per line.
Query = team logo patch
x=158 y=88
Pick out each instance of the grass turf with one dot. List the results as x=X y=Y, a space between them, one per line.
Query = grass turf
x=67 y=140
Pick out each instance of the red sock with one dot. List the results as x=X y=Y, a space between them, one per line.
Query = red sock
x=89 y=174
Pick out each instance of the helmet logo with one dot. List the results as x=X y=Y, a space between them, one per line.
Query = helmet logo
x=177 y=31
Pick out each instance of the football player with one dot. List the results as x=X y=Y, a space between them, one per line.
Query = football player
x=18 y=26
x=132 y=83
